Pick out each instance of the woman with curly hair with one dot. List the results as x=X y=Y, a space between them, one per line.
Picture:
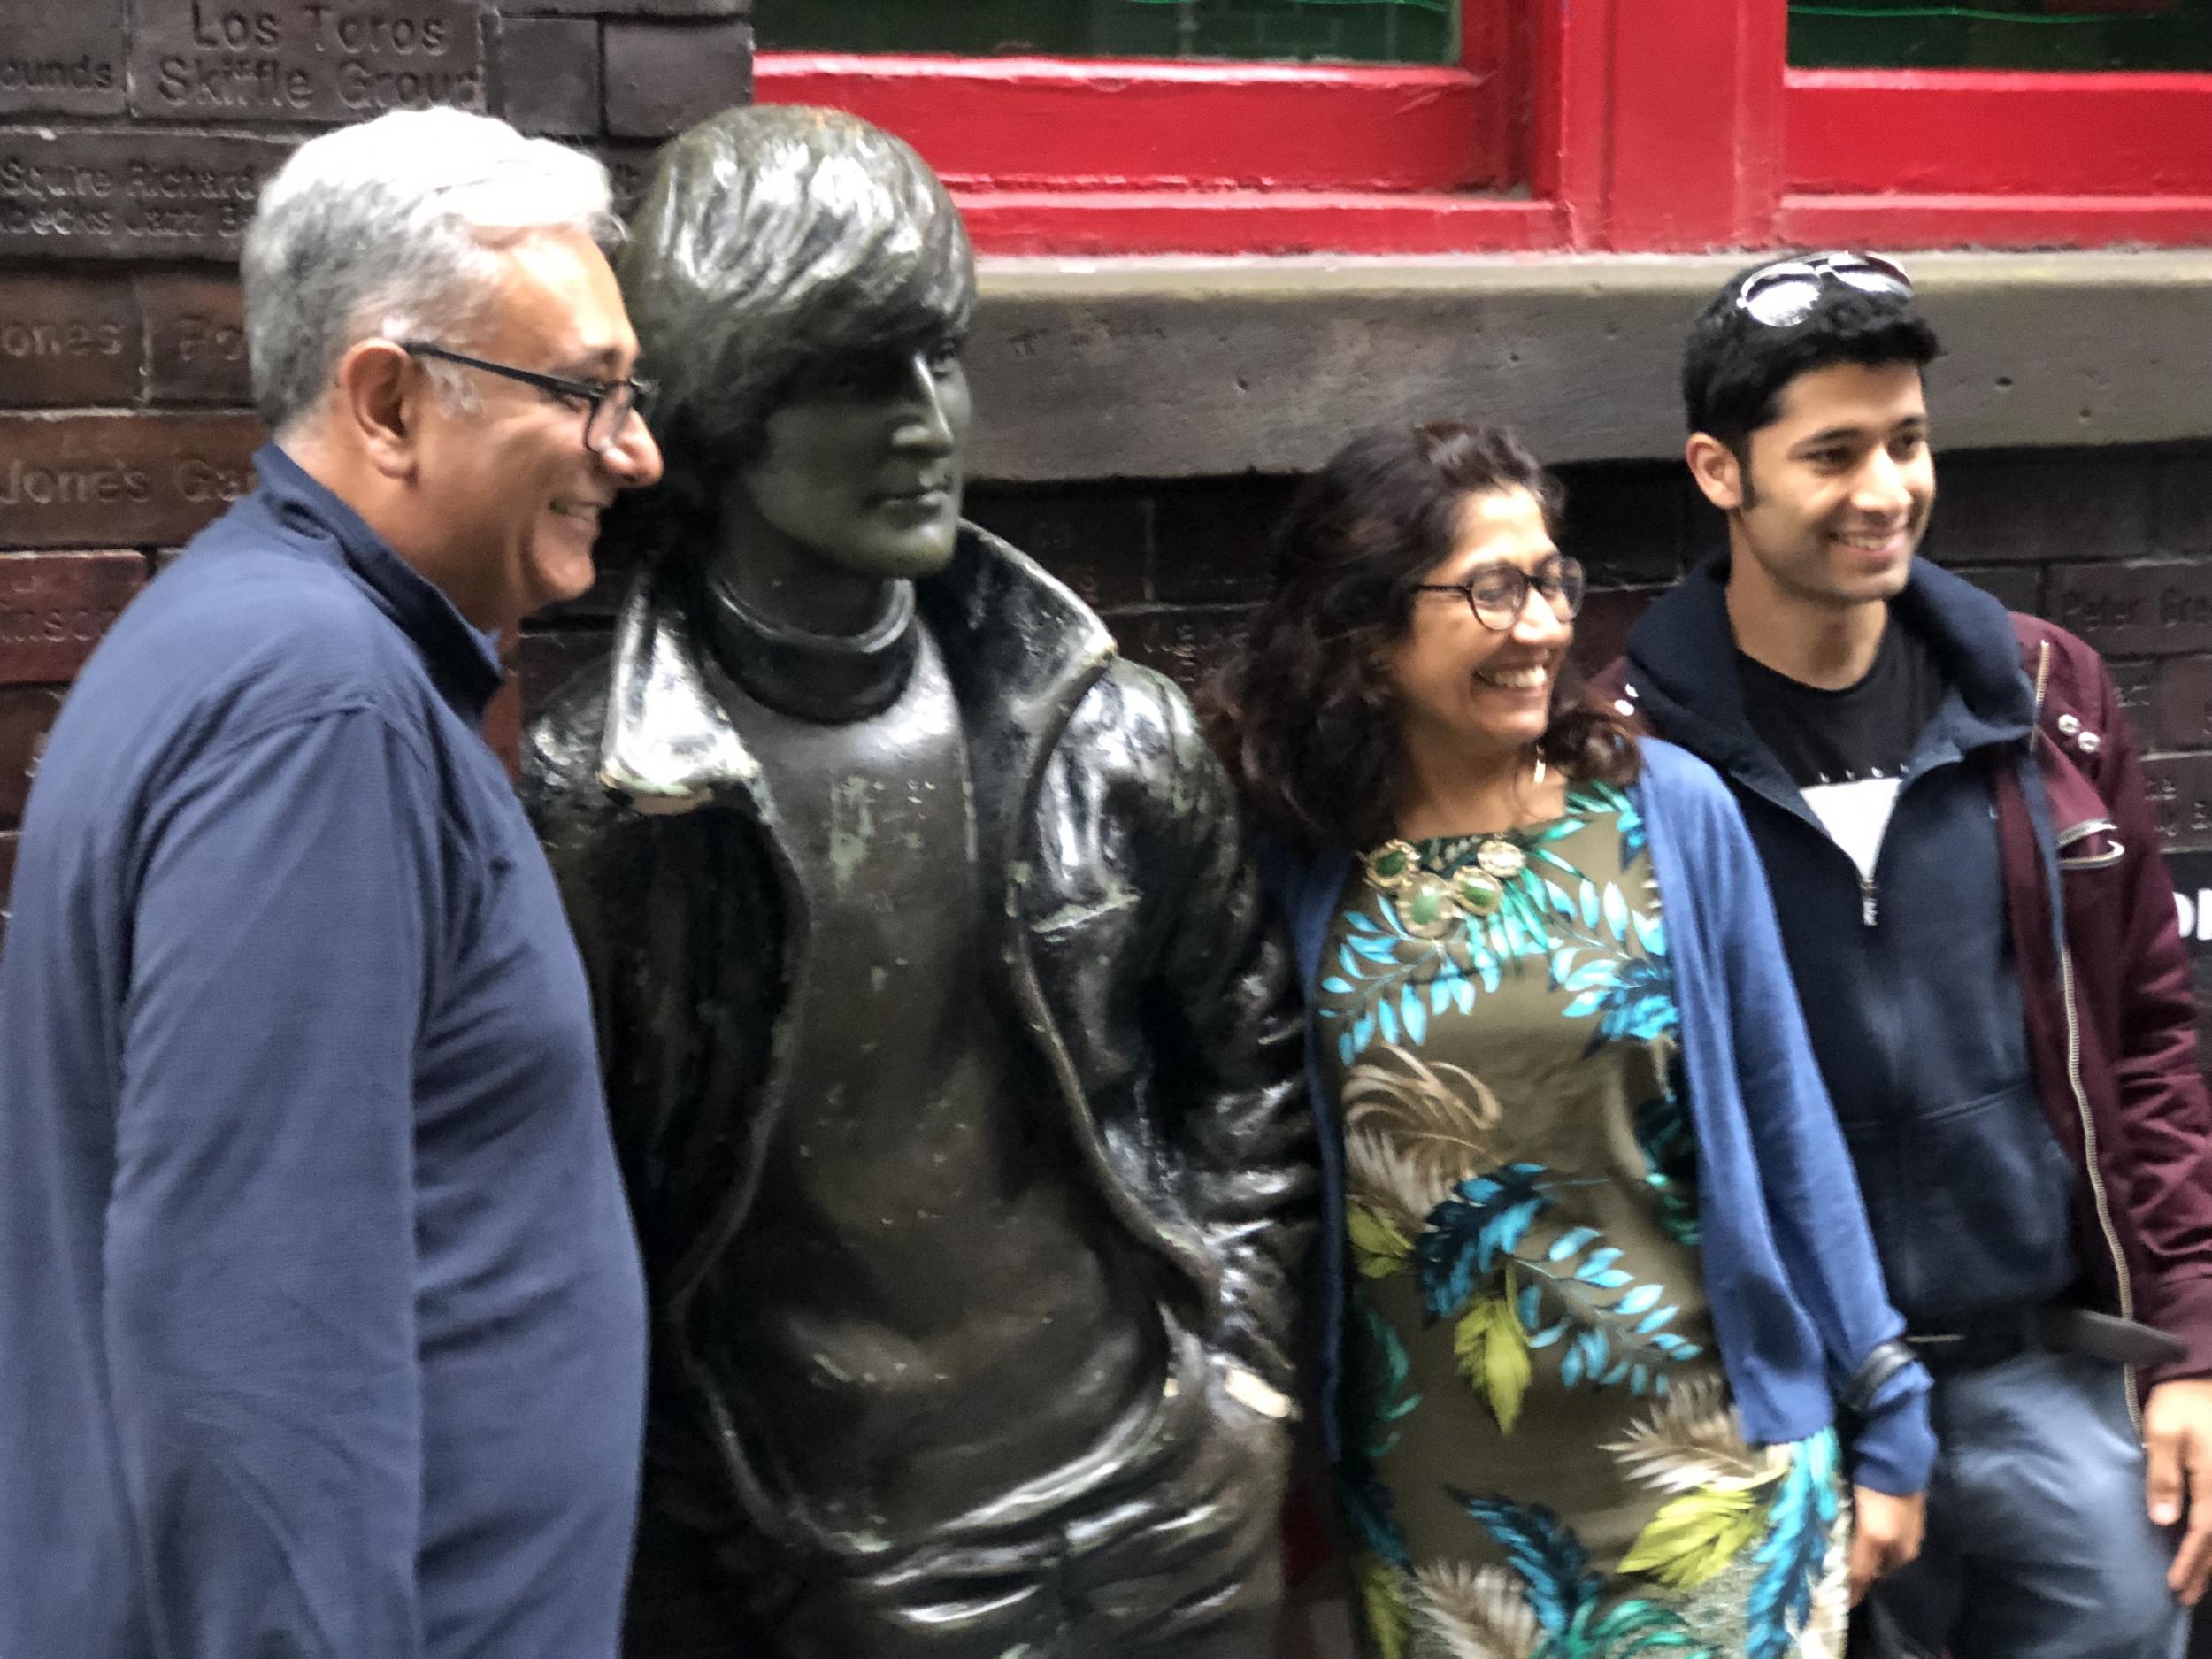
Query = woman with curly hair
x=1596 y=1278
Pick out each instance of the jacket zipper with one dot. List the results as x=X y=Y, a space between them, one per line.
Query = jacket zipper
x=2081 y=1101
x=1867 y=907
x=2096 y=1178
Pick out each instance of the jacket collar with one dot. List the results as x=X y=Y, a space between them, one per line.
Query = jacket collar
x=1682 y=660
x=463 y=663
x=1019 y=648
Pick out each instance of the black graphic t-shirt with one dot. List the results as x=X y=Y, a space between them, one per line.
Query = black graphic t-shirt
x=1846 y=749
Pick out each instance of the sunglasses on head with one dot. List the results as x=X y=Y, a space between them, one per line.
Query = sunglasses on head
x=1785 y=293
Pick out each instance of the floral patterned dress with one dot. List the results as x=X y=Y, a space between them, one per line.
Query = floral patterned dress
x=1540 y=1457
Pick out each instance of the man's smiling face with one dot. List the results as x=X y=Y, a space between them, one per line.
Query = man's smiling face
x=1831 y=498
x=517 y=491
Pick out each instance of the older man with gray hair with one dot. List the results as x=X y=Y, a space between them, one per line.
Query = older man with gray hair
x=321 y=1326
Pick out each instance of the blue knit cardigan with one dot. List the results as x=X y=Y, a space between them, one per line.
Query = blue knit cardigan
x=1795 y=1289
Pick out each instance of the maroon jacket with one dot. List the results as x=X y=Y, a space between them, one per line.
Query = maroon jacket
x=2111 y=1014
x=2110 y=1011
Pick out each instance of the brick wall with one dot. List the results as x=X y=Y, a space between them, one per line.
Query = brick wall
x=134 y=136
x=2115 y=543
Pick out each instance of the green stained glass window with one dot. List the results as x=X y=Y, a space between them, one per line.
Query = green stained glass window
x=1292 y=31
x=2048 y=34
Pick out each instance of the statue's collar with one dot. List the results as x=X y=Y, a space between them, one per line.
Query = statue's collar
x=1018 y=646
x=824 y=677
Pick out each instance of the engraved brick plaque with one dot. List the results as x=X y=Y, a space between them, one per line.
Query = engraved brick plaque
x=54 y=607
x=73 y=340
x=2181 y=704
x=2135 y=681
x=2133 y=610
x=2181 y=786
x=26 y=714
x=304 y=60
x=61 y=57
x=195 y=341
x=79 y=195
x=1181 y=644
x=93 y=480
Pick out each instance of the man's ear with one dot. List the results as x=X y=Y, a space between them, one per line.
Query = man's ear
x=380 y=399
x=1716 y=470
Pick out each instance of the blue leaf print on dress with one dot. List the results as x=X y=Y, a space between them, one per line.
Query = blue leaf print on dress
x=1553 y=1566
x=1798 y=1523
x=1663 y=1135
x=1637 y=1006
x=1613 y=1327
x=1465 y=1236
x=1375 y=1400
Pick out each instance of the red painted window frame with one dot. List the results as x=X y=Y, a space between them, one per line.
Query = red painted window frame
x=1570 y=126
x=1982 y=156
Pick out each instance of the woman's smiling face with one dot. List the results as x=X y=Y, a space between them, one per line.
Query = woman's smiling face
x=1466 y=688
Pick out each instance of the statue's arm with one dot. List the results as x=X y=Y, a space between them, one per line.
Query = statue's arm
x=1232 y=1033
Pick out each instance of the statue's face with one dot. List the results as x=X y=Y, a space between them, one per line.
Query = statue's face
x=862 y=463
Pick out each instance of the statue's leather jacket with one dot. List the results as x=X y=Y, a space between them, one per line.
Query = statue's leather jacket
x=1128 y=934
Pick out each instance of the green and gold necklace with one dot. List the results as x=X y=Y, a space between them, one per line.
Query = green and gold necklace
x=1467 y=879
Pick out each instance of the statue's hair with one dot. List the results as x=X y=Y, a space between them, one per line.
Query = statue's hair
x=776 y=240
x=393 y=227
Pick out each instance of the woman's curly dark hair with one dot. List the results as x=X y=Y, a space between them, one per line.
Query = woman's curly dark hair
x=1304 y=713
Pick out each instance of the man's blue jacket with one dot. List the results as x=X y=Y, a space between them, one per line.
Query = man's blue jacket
x=321 y=1326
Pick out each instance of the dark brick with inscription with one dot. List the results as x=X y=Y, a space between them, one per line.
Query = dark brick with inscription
x=548 y=74
x=1095 y=541
x=664 y=77
x=2134 y=610
x=61 y=57
x=72 y=341
x=1628 y=521
x=54 y=607
x=1608 y=614
x=195 y=340
x=2135 y=681
x=304 y=60
x=93 y=480
x=1185 y=644
x=1210 y=542
x=2181 y=704
x=26 y=714
x=2181 y=789
x=119 y=195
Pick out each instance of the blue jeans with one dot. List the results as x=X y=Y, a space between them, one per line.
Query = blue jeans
x=2038 y=1546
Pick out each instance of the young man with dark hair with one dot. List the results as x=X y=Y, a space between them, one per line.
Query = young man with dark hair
x=1925 y=776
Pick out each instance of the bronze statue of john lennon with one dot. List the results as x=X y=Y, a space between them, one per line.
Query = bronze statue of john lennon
x=953 y=1066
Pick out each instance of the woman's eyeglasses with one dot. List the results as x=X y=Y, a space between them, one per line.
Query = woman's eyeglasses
x=1499 y=594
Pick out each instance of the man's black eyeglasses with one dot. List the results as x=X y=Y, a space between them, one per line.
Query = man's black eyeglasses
x=1498 y=595
x=608 y=403
x=1784 y=293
